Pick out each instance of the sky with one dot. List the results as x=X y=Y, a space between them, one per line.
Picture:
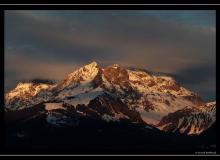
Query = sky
x=49 y=44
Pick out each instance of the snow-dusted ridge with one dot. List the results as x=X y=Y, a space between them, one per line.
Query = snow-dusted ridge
x=26 y=95
x=115 y=93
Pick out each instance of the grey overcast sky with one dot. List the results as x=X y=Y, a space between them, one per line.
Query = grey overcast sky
x=52 y=43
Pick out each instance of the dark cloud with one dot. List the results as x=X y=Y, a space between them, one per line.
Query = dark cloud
x=196 y=74
x=201 y=79
x=165 y=41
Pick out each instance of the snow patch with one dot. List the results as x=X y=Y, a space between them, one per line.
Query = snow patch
x=52 y=120
x=53 y=106
x=163 y=126
x=180 y=122
x=108 y=118
x=60 y=120
x=85 y=98
x=148 y=127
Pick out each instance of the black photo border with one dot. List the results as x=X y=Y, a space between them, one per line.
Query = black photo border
x=4 y=151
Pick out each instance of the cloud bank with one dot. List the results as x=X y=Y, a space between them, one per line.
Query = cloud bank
x=49 y=44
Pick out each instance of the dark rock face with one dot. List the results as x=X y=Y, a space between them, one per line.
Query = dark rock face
x=117 y=75
x=108 y=105
x=174 y=87
x=44 y=81
x=98 y=79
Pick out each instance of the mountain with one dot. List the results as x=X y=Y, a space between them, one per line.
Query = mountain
x=112 y=94
x=190 y=120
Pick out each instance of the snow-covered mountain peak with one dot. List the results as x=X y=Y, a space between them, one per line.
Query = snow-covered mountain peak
x=24 y=88
x=87 y=70
x=92 y=64
x=116 y=91
x=115 y=65
x=23 y=85
x=82 y=75
x=209 y=108
x=23 y=93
